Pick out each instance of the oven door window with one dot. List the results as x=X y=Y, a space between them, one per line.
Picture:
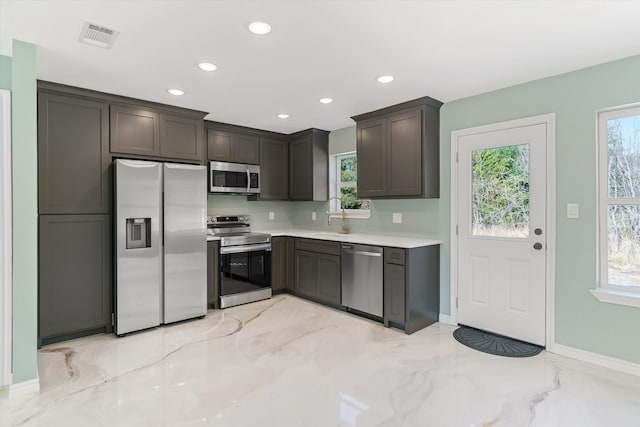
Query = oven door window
x=245 y=272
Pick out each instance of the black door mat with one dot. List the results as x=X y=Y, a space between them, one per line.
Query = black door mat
x=498 y=345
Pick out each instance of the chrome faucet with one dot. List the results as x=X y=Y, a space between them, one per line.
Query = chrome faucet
x=345 y=221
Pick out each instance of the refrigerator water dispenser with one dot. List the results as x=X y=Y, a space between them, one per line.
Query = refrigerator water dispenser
x=138 y=233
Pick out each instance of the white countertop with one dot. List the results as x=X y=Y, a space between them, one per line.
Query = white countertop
x=365 y=239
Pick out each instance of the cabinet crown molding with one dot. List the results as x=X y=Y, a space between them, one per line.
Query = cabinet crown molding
x=425 y=100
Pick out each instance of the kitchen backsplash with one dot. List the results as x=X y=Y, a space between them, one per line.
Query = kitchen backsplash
x=417 y=216
x=259 y=211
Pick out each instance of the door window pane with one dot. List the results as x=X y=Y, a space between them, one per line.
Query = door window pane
x=624 y=245
x=500 y=191
x=623 y=155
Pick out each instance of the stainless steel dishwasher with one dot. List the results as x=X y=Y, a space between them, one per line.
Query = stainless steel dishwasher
x=362 y=278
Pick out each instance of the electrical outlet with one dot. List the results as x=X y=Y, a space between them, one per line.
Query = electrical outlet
x=272 y=216
x=313 y=216
x=573 y=210
x=397 y=218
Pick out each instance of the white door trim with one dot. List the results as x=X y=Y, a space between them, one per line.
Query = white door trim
x=6 y=243
x=550 y=121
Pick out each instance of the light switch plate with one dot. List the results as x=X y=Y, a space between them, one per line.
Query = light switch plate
x=313 y=215
x=272 y=216
x=397 y=218
x=573 y=210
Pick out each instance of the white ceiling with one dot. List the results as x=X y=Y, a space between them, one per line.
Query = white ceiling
x=443 y=49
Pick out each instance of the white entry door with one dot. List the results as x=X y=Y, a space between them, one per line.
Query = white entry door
x=502 y=232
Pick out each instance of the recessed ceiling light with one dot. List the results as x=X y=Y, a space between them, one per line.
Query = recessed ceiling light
x=260 y=28
x=207 y=66
x=385 y=79
x=283 y=115
x=176 y=92
x=325 y=100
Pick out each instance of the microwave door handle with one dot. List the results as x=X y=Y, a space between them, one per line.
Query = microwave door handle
x=248 y=180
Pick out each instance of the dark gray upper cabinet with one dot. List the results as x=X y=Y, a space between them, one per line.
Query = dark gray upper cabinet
x=135 y=130
x=152 y=133
x=74 y=276
x=309 y=165
x=404 y=153
x=247 y=149
x=181 y=137
x=228 y=146
x=73 y=155
x=219 y=145
x=398 y=151
x=274 y=169
x=371 y=146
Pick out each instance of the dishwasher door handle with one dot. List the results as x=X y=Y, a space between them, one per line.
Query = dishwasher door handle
x=365 y=253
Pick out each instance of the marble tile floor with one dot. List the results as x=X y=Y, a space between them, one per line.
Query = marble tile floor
x=289 y=362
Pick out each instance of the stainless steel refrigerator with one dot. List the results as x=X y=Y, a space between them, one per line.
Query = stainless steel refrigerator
x=161 y=243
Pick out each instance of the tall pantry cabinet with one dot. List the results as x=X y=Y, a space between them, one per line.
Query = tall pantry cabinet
x=74 y=240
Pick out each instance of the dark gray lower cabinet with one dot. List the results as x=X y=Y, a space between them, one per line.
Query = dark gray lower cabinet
x=317 y=270
x=213 y=273
x=411 y=287
x=305 y=274
x=282 y=259
x=328 y=285
x=74 y=287
x=394 y=293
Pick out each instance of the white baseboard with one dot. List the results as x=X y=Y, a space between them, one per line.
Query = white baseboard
x=24 y=388
x=596 y=359
x=445 y=318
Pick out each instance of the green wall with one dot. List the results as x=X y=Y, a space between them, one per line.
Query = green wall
x=581 y=321
x=25 y=213
x=5 y=72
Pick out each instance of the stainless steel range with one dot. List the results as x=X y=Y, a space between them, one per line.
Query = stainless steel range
x=245 y=260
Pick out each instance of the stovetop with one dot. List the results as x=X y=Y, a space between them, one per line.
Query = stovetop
x=234 y=230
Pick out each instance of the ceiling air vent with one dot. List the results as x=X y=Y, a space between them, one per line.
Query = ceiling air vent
x=97 y=35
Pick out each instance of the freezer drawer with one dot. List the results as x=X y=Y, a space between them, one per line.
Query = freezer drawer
x=362 y=278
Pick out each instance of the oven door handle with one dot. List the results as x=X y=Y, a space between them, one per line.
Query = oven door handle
x=245 y=248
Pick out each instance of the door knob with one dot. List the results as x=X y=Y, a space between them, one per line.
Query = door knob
x=537 y=246
x=537 y=231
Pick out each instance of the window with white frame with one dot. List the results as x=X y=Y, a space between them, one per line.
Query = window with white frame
x=346 y=184
x=619 y=194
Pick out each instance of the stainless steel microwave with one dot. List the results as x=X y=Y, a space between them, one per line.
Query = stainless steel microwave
x=234 y=178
